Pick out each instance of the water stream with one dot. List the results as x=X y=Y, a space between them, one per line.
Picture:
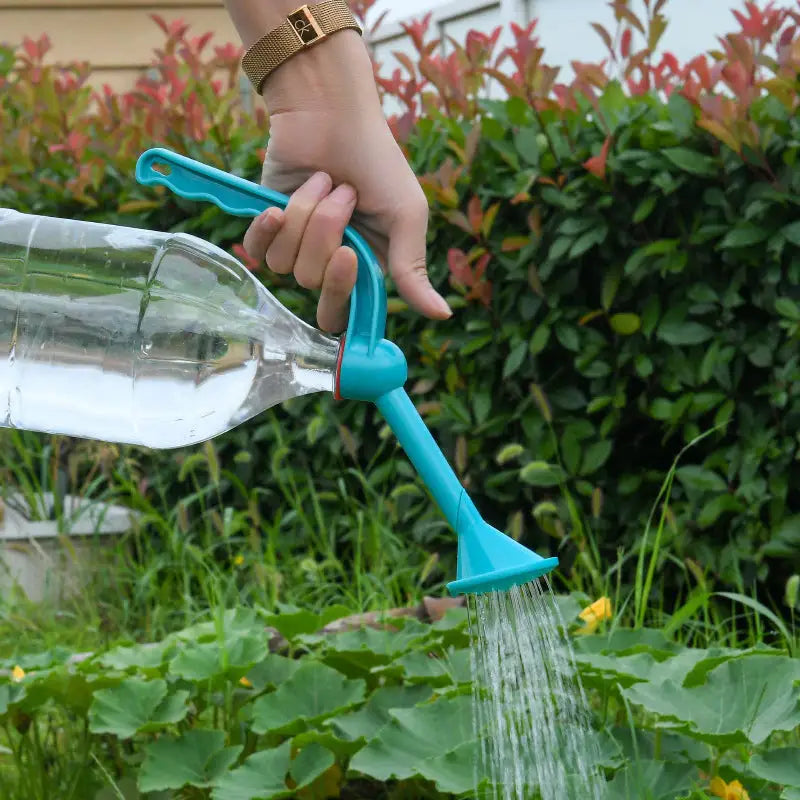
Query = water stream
x=529 y=706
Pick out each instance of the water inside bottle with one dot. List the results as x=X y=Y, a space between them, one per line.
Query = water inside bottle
x=134 y=336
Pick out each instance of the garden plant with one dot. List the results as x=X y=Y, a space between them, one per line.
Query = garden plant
x=618 y=387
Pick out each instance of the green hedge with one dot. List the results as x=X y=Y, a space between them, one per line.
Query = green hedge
x=628 y=307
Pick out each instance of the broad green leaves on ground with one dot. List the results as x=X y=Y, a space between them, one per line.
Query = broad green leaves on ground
x=135 y=706
x=742 y=700
x=197 y=758
x=313 y=693
x=210 y=708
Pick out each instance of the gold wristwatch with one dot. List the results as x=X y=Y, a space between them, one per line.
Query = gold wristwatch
x=301 y=29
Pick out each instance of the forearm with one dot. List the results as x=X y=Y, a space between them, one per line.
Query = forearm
x=336 y=71
x=253 y=18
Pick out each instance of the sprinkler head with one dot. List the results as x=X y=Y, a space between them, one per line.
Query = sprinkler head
x=491 y=561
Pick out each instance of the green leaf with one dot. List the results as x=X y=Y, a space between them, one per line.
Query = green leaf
x=696 y=478
x=292 y=622
x=476 y=344
x=331 y=740
x=588 y=240
x=415 y=735
x=10 y=693
x=198 y=758
x=364 y=648
x=539 y=340
x=743 y=700
x=314 y=692
x=644 y=366
x=610 y=286
x=138 y=657
x=453 y=771
x=272 y=671
x=596 y=455
x=645 y=208
x=788 y=308
x=792 y=233
x=515 y=359
x=559 y=248
x=691 y=161
x=527 y=145
x=784 y=540
x=568 y=336
x=654 y=780
x=367 y=721
x=625 y=324
x=135 y=705
x=781 y=766
x=744 y=235
x=683 y=333
x=452 y=668
x=624 y=641
x=661 y=408
x=309 y=764
x=202 y=661
x=482 y=405
x=261 y=777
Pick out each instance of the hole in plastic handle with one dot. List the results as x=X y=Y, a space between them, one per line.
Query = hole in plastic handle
x=161 y=168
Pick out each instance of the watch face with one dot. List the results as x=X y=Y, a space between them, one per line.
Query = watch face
x=304 y=25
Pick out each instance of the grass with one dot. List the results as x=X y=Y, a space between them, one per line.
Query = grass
x=313 y=549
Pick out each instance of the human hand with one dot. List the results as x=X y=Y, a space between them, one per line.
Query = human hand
x=331 y=149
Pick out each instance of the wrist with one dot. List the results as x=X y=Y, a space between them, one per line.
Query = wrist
x=334 y=74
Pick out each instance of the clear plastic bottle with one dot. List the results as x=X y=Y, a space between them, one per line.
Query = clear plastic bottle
x=128 y=335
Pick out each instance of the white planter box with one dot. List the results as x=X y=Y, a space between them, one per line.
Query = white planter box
x=49 y=564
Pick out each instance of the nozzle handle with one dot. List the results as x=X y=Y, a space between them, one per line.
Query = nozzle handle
x=427 y=458
x=242 y=198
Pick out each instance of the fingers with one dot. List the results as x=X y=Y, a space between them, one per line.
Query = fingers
x=282 y=253
x=337 y=284
x=323 y=235
x=260 y=234
x=407 y=264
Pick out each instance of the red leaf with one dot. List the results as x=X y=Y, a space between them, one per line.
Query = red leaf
x=459 y=266
x=625 y=43
x=159 y=20
x=241 y=254
x=475 y=214
x=597 y=164
x=30 y=48
x=480 y=266
x=417 y=29
x=787 y=37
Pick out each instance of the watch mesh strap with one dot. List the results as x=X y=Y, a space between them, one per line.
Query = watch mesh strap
x=302 y=28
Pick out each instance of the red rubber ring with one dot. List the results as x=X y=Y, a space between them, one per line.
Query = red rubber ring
x=336 y=394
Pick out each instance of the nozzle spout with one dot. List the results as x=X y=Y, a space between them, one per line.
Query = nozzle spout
x=488 y=560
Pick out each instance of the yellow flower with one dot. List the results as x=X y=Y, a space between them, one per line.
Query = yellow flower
x=238 y=561
x=246 y=683
x=17 y=674
x=594 y=614
x=728 y=791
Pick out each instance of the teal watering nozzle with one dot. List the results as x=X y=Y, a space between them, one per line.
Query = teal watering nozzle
x=374 y=369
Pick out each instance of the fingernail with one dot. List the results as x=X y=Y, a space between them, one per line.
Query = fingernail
x=273 y=217
x=443 y=306
x=320 y=184
x=344 y=195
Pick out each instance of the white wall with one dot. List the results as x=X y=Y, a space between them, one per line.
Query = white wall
x=565 y=31
x=564 y=25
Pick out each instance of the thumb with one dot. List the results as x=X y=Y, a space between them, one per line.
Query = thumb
x=408 y=268
x=282 y=177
